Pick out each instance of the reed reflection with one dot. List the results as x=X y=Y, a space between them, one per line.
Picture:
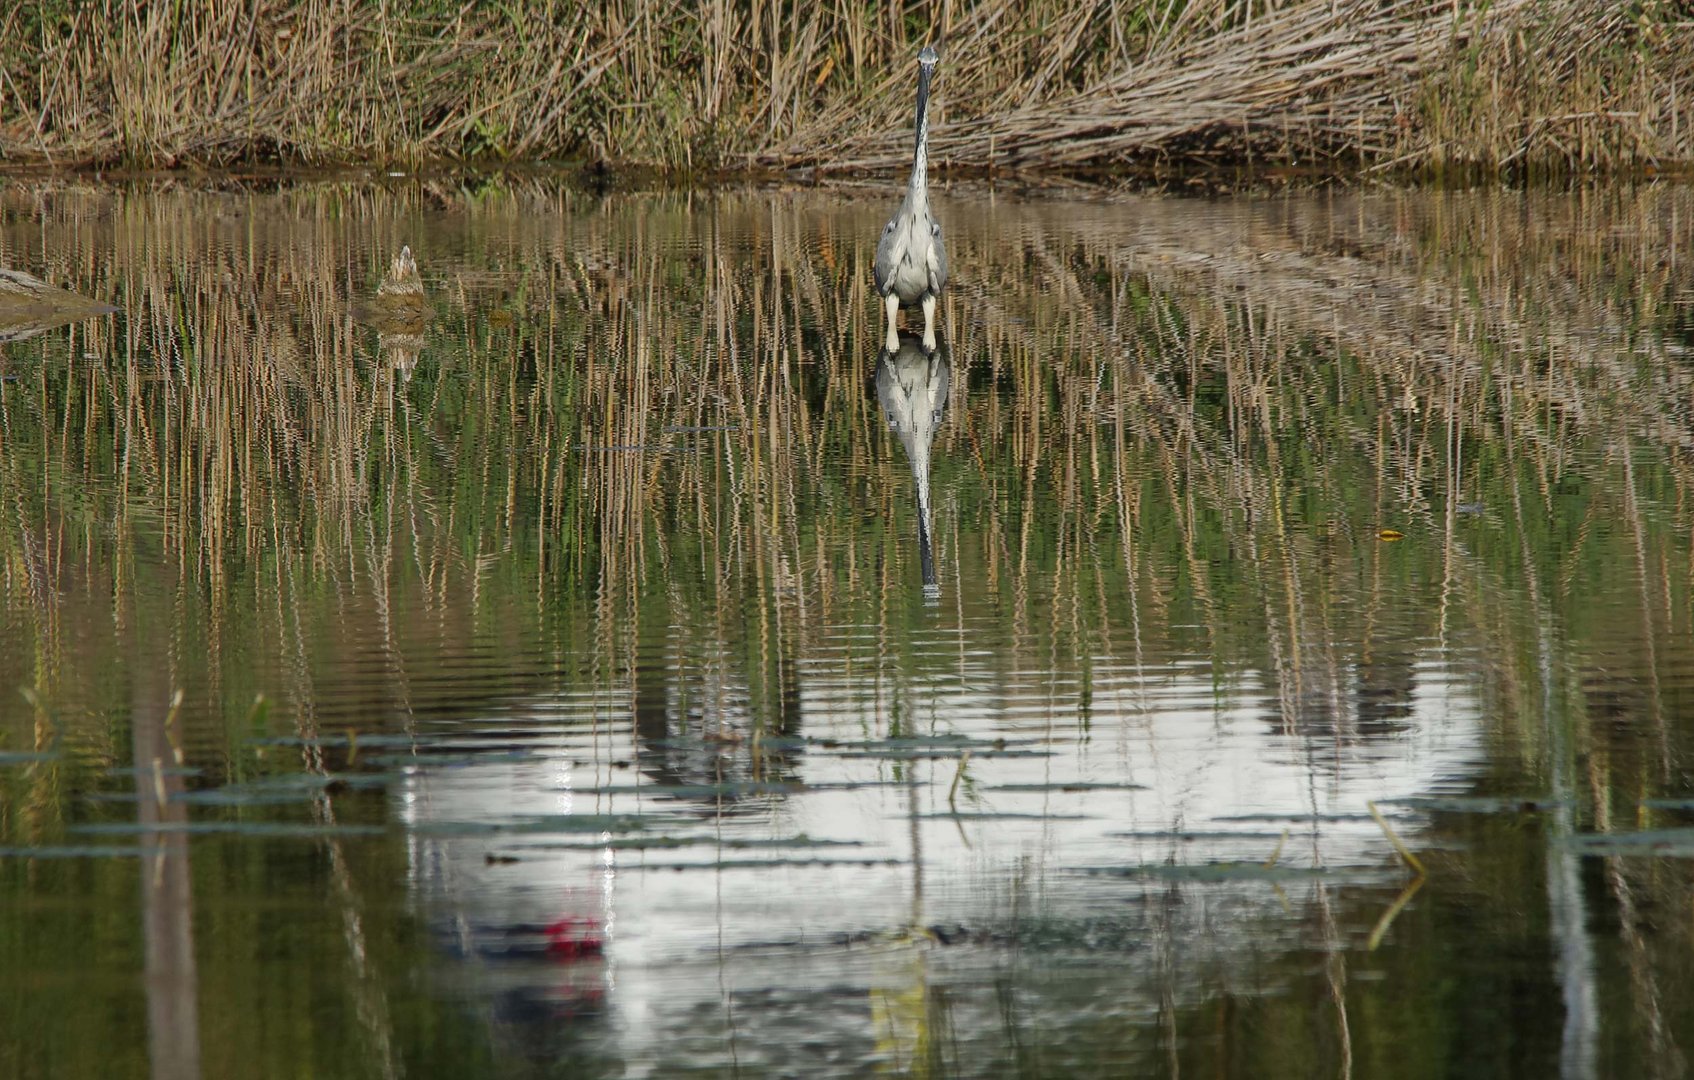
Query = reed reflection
x=30 y=306
x=912 y=386
x=624 y=549
x=167 y=896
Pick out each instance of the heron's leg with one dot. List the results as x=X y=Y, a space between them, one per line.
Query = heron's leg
x=891 y=340
x=929 y=322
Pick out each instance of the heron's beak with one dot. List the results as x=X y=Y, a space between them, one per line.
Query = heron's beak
x=925 y=72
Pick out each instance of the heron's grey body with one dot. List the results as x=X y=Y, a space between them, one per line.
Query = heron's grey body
x=911 y=384
x=911 y=262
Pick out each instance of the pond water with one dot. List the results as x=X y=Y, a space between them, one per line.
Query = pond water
x=611 y=663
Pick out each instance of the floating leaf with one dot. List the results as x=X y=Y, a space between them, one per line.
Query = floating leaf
x=1390 y=535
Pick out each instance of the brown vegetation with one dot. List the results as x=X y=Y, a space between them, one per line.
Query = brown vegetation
x=1336 y=85
x=1174 y=432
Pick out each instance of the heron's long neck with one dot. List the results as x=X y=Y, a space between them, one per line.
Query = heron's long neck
x=920 y=156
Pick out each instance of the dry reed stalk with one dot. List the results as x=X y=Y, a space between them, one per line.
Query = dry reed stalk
x=1409 y=84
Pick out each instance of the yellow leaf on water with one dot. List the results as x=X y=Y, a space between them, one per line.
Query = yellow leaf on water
x=1390 y=535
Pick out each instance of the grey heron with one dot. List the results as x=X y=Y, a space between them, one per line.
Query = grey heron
x=911 y=263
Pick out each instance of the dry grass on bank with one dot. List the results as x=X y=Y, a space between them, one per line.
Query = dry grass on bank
x=1561 y=85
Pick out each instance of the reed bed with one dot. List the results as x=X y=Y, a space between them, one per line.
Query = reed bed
x=728 y=85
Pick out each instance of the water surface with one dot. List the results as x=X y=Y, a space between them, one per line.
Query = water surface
x=613 y=664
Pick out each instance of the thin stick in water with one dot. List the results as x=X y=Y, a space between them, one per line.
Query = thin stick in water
x=953 y=792
x=1405 y=852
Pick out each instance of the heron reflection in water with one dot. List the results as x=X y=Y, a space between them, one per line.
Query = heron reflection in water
x=911 y=385
x=911 y=262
